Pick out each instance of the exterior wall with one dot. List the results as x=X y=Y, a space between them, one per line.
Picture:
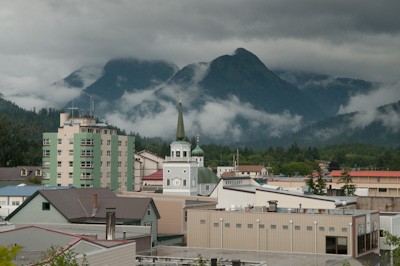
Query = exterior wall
x=118 y=256
x=384 y=204
x=150 y=219
x=363 y=225
x=281 y=232
x=9 y=203
x=206 y=188
x=33 y=212
x=110 y=154
x=288 y=201
x=146 y=163
x=390 y=223
x=176 y=173
x=173 y=210
x=228 y=197
x=223 y=169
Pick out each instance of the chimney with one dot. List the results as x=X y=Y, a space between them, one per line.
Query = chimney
x=110 y=223
x=94 y=211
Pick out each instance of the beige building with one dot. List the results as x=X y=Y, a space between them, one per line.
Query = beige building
x=351 y=232
x=173 y=210
x=84 y=153
x=378 y=183
x=146 y=163
x=254 y=171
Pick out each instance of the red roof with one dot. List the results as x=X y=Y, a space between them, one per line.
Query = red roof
x=338 y=173
x=154 y=176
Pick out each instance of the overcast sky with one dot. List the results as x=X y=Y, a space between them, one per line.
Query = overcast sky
x=44 y=41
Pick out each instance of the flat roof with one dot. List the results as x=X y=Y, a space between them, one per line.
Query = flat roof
x=271 y=258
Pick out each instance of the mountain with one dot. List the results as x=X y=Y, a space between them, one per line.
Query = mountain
x=232 y=99
x=117 y=77
x=378 y=126
x=328 y=92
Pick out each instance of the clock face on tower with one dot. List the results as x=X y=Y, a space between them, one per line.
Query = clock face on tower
x=176 y=182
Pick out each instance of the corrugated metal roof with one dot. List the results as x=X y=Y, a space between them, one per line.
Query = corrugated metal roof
x=24 y=190
x=155 y=176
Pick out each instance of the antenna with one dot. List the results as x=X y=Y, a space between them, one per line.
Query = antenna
x=72 y=108
x=91 y=107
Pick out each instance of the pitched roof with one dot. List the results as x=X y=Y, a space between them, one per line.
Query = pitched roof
x=338 y=173
x=14 y=173
x=154 y=176
x=76 y=204
x=206 y=176
x=228 y=174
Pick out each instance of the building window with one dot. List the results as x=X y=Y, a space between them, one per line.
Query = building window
x=273 y=226
x=46 y=153
x=86 y=164
x=344 y=229
x=108 y=174
x=227 y=225
x=105 y=131
x=58 y=175
x=59 y=141
x=336 y=245
x=71 y=152
x=178 y=153
x=15 y=203
x=108 y=164
x=249 y=225
x=297 y=227
x=309 y=228
x=184 y=182
x=238 y=225
x=202 y=221
x=262 y=226
x=331 y=229
x=119 y=143
x=119 y=153
x=108 y=142
x=382 y=189
x=97 y=131
x=184 y=171
x=59 y=163
x=184 y=153
x=216 y=224
x=119 y=164
x=321 y=228
x=148 y=211
x=71 y=164
x=90 y=130
x=108 y=153
x=59 y=152
x=86 y=176
x=71 y=141
x=70 y=175
x=207 y=187
x=46 y=206
x=285 y=227
x=46 y=141
x=87 y=153
x=119 y=175
x=86 y=141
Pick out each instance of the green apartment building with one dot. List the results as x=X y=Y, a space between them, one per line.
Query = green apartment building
x=84 y=153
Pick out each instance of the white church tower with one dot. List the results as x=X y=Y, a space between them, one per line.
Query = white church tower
x=180 y=170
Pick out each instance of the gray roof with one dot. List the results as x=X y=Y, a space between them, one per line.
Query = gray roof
x=24 y=191
x=328 y=198
x=76 y=204
x=14 y=173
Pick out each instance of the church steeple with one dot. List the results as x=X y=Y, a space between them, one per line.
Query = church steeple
x=180 y=131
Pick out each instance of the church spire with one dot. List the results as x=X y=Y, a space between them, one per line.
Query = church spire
x=180 y=131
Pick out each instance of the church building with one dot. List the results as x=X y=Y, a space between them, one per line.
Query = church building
x=180 y=169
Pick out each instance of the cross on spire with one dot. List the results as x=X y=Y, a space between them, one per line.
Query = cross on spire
x=198 y=137
x=180 y=96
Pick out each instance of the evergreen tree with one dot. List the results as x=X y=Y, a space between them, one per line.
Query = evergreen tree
x=348 y=187
x=320 y=186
